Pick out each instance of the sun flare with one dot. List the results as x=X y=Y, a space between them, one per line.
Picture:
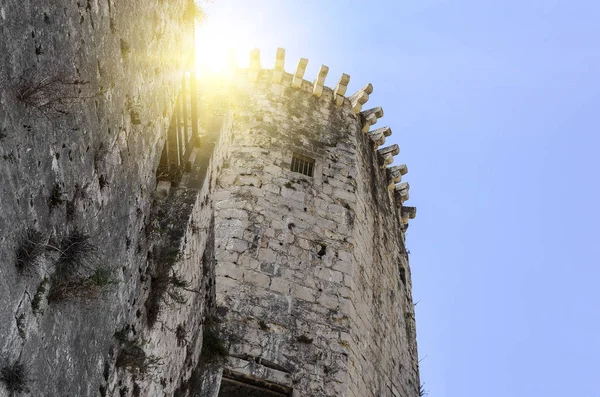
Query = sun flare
x=219 y=41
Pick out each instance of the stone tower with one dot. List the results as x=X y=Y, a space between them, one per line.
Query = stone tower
x=313 y=287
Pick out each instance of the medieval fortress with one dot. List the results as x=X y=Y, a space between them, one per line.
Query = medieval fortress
x=162 y=235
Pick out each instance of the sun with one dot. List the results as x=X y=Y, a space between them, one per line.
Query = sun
x=220 y=39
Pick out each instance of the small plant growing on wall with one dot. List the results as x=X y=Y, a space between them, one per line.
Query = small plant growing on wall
x=125 y=48
x=15 y=378
x=85 y=287
x=51 y=95
x=213 y=348
x=132 y=356
x=167 y=289
x=39 y=295
x=56 y=197
x=76 y=274
x=31 y=247
x=76 y=254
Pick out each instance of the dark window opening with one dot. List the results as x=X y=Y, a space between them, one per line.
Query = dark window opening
x=303 y=164
x=237 y=385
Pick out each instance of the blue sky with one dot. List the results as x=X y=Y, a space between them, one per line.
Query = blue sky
x=495 y=106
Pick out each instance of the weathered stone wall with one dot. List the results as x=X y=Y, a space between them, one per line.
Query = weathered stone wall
x=383 y=330
x=313 y=283
x=111 y=286
x=86 y=95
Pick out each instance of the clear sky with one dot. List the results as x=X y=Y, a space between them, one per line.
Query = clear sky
x=495 y=106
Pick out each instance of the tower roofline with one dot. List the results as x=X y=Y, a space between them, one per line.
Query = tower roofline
x=255 y=73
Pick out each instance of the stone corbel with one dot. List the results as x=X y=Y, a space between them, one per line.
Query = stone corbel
x=401 y=193
x=297 y=81
x=278 y=70
x=378 y=136
x=255 y=68
x=340 y=89
x=370 y=117
x=394 y=175
x=320 y=81
x=360 y=98
x=388 y=153
x=408 y=213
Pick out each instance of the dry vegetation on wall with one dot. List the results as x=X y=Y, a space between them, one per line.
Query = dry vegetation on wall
x=90 y=287
x=76 y=272
x=15 y=378
x=51 y=95
x=31 y=247
x=166 y=227
x=132 y=356
x=72 y=279
x=213 y=347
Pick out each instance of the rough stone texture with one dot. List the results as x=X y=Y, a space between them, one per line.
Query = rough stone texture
x=78 y=151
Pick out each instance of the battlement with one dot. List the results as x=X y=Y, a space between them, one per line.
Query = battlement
x=255 y=74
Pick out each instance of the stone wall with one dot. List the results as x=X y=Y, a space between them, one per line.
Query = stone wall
x=383 y=329
x=86 y=96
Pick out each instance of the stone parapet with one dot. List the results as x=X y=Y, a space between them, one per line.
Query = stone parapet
x=355 y=102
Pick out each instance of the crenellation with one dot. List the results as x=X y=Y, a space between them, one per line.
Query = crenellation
x=300 y=70
x=360 y=98
x=320 y=81
x=278 y=70
x=340 y=89
x=254 y=68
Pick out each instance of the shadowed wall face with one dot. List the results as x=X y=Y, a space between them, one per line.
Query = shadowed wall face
x=87 y=90
x=230 y=388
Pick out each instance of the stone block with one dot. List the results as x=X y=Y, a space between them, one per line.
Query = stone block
x=280 y=285
x=256 y=278
x=245 y=180
x=228 y=269
x=267 y=255
x=163 y=189
x=329 y=301
x=345 y=195
x=303 y=293
x=236 y=245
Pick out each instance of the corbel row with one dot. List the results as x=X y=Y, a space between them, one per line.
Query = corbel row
x=386 y=157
